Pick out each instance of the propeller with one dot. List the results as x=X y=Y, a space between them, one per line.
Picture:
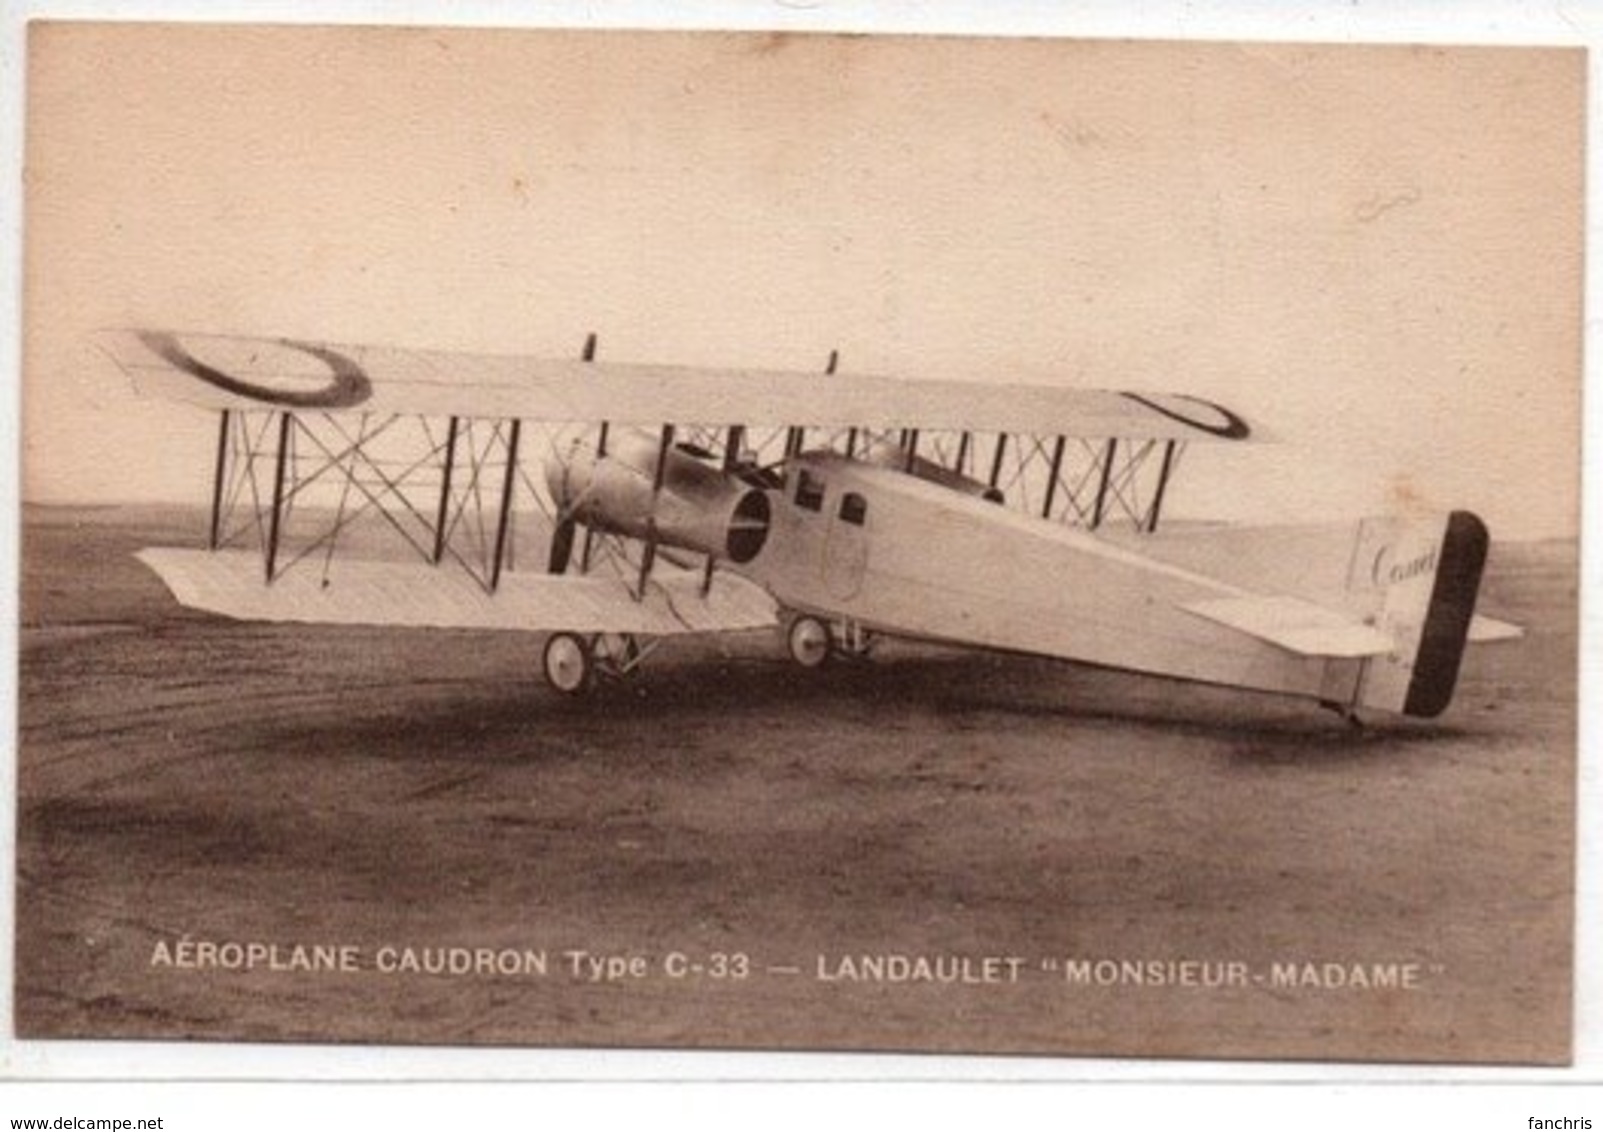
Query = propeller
x=562 y=545
x=562 y=534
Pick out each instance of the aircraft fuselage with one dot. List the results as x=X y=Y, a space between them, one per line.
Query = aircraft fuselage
x=899 y=555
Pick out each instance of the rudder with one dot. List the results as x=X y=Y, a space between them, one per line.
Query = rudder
x=1430 y=574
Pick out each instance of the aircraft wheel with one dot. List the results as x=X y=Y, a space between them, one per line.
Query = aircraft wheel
x=569 y=663
x=809 y=641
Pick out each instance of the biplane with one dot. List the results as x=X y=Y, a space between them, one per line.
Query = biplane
x=613 y=506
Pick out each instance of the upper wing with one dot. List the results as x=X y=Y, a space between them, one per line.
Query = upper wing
x=418 y=596
x=223 y=372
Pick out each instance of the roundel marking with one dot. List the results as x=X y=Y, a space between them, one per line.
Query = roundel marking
x=1230 y=427
x=347 y=386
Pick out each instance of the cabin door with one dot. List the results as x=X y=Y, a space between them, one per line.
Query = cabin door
x=846 y=547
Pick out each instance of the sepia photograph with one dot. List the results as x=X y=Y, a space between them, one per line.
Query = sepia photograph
x=799 y=542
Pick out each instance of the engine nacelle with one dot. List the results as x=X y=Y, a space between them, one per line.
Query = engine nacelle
x=699 y=508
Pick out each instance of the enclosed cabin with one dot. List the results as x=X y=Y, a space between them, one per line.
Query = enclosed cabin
x=847 y=533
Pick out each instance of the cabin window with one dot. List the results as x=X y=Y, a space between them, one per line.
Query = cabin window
x=853 y=508
x=809 y=491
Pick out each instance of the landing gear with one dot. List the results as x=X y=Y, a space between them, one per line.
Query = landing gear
x=852 y=641
x=569 y=663
x=618 y=654
x=812 y=642
x=1348 y=713
x=809 y=641
x=574 y=663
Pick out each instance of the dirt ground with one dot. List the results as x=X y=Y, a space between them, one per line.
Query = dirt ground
x=739 y=836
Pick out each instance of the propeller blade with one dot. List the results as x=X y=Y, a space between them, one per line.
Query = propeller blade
x=561 y=546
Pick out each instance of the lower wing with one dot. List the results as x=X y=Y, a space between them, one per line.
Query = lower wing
x=230 y=583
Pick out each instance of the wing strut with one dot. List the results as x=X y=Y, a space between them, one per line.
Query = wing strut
x=732 y=441
x=589 y=355
x=996 y=459
x=1052 y=477
x=217 y=481
x=445 y=489
x=1163 y=482
x=506 y=503
x=649 y=558
x=278 y=492
x=1102 y=488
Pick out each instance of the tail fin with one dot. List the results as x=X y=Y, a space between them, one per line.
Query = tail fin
x=1429 y=573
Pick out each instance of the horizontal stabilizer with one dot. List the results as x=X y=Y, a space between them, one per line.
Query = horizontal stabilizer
x=417 y=595
x=1296 y=625
x=1484 y=630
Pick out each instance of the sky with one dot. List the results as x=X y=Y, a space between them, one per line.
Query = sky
x=1371 y=252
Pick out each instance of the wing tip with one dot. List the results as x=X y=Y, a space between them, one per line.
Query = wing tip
x=1213 y=420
